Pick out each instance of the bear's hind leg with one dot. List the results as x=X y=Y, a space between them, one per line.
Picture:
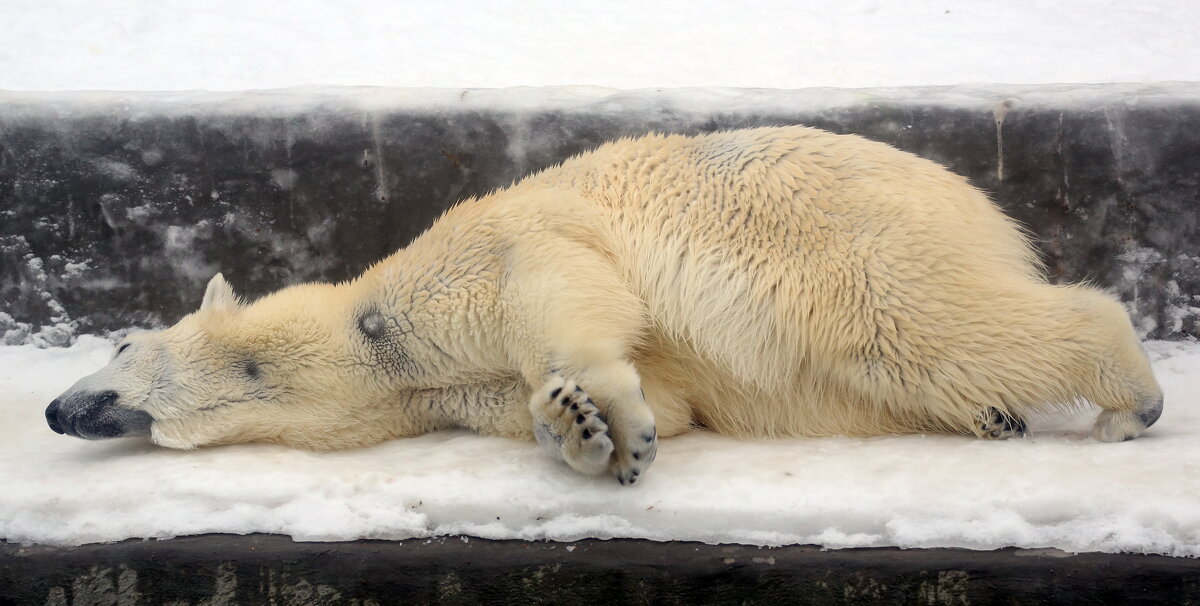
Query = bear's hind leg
x=994 y=424
x=1119 y=377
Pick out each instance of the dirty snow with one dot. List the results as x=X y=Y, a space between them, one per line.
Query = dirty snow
x=1057 y=488
x=241 y=44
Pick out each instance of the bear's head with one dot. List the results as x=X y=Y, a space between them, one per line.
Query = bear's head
x=285 y=369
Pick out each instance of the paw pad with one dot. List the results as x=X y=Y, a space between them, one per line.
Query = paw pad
x=996 y=425
x=568 y=424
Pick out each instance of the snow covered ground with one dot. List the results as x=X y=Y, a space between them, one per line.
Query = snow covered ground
x=244 y=44
x=1057 y=488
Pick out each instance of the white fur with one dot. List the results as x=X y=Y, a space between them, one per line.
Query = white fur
x=766 y=282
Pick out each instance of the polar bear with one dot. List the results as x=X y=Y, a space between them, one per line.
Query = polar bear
x=760 y=283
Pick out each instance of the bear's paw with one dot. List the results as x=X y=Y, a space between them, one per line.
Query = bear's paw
x=994 y=424
x=568 y=424
x=1116 y=426
x=636 y=439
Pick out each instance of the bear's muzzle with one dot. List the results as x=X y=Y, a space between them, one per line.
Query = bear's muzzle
x=95 y=416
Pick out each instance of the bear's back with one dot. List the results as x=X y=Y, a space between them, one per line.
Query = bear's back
x=765 y=244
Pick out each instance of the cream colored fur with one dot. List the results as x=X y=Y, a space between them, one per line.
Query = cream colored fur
x=762 y=283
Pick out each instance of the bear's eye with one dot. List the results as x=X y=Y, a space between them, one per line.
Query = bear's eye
x=252 y=370
x=121 y=349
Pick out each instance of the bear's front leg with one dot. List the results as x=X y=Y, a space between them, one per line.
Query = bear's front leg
x=570 y=317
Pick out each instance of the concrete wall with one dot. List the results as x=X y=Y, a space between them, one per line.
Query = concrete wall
x=264 y=569
x=116 y=208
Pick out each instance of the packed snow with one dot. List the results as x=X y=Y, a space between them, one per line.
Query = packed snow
x=1057 y=488
x=241 y=44
x=592 y=100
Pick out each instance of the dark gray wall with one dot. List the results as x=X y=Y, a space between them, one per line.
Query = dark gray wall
x=270 y=569
x=116 y=208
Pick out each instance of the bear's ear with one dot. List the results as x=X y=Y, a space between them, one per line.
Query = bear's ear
x=219 y=295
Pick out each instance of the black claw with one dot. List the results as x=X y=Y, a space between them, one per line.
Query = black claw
x=637 y=455
x=632 y=480
x=636 y=472
x=1003 y=423
x=621 y=480
x=554 y=394
x=574 y=407
x=579 y=419
x=586 y=434
x=578 y=389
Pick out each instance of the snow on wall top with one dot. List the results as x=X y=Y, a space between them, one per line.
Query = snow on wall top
x=300 y=100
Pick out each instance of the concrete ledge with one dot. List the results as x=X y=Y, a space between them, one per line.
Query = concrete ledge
x=271 y=569
x=116 y=208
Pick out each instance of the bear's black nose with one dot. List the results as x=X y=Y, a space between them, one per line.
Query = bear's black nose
x=52 y=417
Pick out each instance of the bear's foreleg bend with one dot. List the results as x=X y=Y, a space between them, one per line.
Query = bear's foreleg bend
x=572 y=321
